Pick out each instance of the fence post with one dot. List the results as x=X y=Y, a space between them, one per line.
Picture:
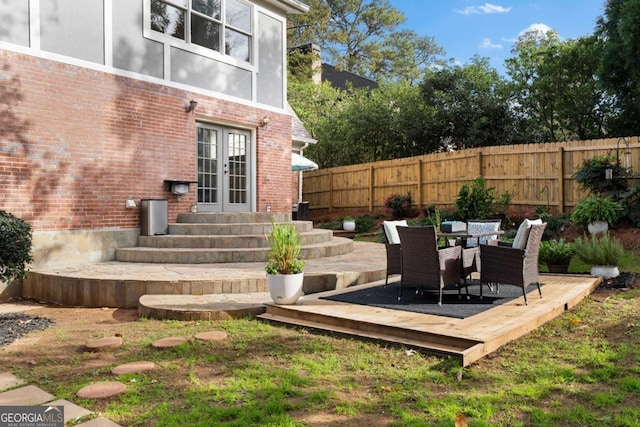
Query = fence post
x=371 y=187
x=479 y=163
x=330 y=190
x=560 y=164
x=419 y=194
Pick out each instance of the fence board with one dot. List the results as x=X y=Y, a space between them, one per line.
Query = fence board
x=535 y=174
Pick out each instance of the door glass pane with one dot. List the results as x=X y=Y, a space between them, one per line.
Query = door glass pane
x=167 y=19
x=237 y=146
x=207 y=162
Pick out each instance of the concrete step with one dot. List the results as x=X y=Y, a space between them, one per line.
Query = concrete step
x=312 y=237
x=232 y=228
x=337 y=246
x=233 y=217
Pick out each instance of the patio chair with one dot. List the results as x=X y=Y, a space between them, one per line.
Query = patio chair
x=392 y=245
x=513 y=265
x=302 y=214
x=426 y=267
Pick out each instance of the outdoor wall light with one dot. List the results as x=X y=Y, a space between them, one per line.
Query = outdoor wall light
x=265 y=121
x=192 y=106
x=130 y=203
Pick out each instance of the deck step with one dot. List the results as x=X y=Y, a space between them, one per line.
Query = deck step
x=431 y=347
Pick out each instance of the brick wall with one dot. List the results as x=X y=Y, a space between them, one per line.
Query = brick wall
x=76 y=143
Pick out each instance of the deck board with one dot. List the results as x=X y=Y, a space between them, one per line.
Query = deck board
x=475 y=336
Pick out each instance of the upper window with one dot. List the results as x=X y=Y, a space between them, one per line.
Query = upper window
x=208 y=23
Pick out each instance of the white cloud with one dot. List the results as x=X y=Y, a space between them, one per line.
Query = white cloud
x=487 y=44
x=541 y=29
x=484 y=9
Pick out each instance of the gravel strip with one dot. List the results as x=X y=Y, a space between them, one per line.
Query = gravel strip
x=17 y=325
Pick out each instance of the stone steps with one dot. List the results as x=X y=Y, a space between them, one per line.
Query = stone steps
x=195 y=255
x=227 y=241
x=239 y=237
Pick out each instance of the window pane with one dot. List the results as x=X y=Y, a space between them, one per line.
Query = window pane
x=167 y=19
x=238 y=15
x=205 y=32
x=237 y=45
x=207 y=7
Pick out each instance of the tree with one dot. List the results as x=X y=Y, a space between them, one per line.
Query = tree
x=556 y=94
x=362 y=37
x=469 y=106
x=619 y=31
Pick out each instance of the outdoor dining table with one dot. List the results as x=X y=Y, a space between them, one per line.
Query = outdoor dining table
x=464 y=235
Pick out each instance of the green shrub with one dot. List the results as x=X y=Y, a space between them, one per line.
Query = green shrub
x=592 y=176
x=599 y=250
x=15 y=247
x=398 y=205
x=556 y=252
x=478 y=202
x=365 y=224
x=596 y=208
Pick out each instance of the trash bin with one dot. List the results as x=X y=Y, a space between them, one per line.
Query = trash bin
x=154 y=217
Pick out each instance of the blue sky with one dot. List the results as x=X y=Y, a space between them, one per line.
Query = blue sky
x=465 y=27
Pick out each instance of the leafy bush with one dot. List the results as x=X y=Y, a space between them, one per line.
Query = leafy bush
x=398 y=205
x=15 y=247
x=556 y=252
x=365 y=224
x=603 y=250
x=556 y=225
x=596 y=208
x=592 y=176
x=478 y=202
x=284 y=250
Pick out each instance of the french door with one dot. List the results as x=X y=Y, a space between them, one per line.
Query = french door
x=224 y=169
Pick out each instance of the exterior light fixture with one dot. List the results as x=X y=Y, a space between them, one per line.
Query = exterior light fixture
x=192 y=106
x=265 y=121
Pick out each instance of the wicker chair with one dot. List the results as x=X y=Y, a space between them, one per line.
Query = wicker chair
x=392 y=245
x=302 y=214
x=508 y=265
x=424 y=266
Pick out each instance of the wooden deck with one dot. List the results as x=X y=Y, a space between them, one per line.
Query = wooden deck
x=466 y=339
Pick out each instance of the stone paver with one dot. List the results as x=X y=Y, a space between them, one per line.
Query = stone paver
x=169 y=342
x=8 y=380
x=71 y=410
x=98 y=422
x=27 y=395
x=212 y=336
x=102 y=390
x=104 y=343
x=133 y=368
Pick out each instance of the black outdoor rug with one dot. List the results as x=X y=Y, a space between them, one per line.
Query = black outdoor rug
x=427 y=303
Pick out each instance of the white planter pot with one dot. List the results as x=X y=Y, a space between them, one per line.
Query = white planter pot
x=598 y=227
x=349 y=226
x=606 y=271
x=285 y=288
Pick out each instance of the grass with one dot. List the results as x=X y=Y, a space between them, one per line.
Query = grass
x=579 y=369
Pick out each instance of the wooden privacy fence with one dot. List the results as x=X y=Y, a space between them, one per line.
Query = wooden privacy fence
x=535 y=174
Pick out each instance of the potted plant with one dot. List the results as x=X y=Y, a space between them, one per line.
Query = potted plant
x=603 y=253
x=596 y=212
x=349 y=224
x=284 y=264
x=556 y=254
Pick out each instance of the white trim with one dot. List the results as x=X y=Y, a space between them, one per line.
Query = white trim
x=141 y=77
x=148 y=33
x=34 y=24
